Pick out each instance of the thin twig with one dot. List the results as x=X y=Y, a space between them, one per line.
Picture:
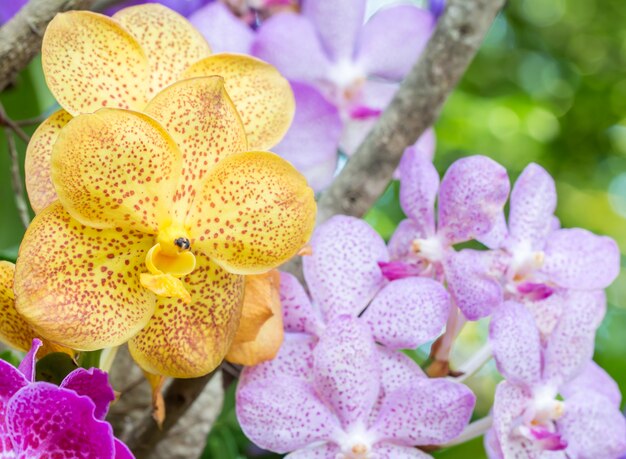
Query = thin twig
x=19 y=193
x=474 y=363
x=8 y=122
x=473 y=430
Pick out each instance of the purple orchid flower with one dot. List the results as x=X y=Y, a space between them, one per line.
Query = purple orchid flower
x=534 y=258
x=9 y=9
x=554 y=398
x=184 y=7
x=344 y=70
x=41 y=420
x=341 y=400
x=469 y=201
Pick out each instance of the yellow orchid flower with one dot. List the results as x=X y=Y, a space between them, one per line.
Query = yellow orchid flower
x=159 y=215
x=92 y=61
x=14 y=330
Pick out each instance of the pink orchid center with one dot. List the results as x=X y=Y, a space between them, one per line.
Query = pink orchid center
x=356 y=444
x=344 y=85
x=538 y=420
x=524 y=263
x=430 y=249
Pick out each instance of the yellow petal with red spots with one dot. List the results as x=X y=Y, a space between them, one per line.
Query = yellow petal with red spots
x=80 y=286
x=190 y=340
x=170 y=41
x=260 y=93
x=89 y=62
x=254 y=212
x=37 y=166
x=14 y=330
x=203 y=121
x=262 y=294
x=116 y=168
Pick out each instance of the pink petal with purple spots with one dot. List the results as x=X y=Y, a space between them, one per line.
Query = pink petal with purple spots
x=471 y=197
x=389 y=450
x=533 y=201
x=593 y=378
x=283 y=414
x=395 y=270
x=397 y=370
x=28 y=363
x=578 y=259
x=325 y=451
x=593 y=427
x=495 y=238
x=547 y=312
x=425 y=412
x=343 y=273
x=222 y=29
x=42 y=418
x=400 y=243
x=290 y=43
x=346 y=369
x=473 y=281
x=515 y=342
x=11 y=381
x=405 y=29
x=425 y=146
x=338 y=25
x=299 y=315
x=93 y=383
x=408 y=312
x=312 y=141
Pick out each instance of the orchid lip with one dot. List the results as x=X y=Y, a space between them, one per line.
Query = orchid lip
x=430 y=249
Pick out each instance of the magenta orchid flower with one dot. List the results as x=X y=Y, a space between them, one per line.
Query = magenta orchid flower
x=534 y=258
x=344 y=72
x=469 y=200
x=555 y=400
x=341 y=400
x=41 y=420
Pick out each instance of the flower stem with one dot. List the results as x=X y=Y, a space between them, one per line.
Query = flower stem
x=474 y=430
x=474 y=363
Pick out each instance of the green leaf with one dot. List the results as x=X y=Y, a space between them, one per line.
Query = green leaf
x=9 y=356
x=53 y=368
x=90 y=359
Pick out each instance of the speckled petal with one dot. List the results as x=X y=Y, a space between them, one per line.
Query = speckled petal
x=28 y=363
x=204 y=123
x=547 y=312
x=190 y=340
x=471 y=197
x=404 y=29
x=346 y=369
x=338 y=25
x=593 y=427
x=11 y=380
x=261 y=94
x=495 y=238
x=312 y=140
x=69 y=430
x=343 y=273
x=425 y=412
x=80 y=286
x=576 y=258
x=91 y=62
x=37 y=168
x=571 y=343
x=325 y=451
x=397 y=369
x=284 y=414
x=92 y=383
x=402 y=238
x=14 y=330
x=418 y=189
x=514 y=338
x=299 y=315
x=398 y=452
x=408 y=312
x=222 y=29
x=116 y=168
x=253 y=213
x=170 y=42
x=474 y=281
x=533 y=201
x=593 y=378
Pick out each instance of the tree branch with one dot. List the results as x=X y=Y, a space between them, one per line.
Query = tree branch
x=414 y=108
x=20 y=38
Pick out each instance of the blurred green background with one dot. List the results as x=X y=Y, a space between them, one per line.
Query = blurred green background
x=549 y=86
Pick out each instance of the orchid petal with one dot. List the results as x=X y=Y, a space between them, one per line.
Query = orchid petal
x=403 y=28
x=297 y=416
x=37 y=167
x=343 y=273
x=80 y=286
x=396 y=370
x=190 y=340
x=14 y=330
x=495 y=238
x=122 y=451
x=408 y=312
x=222 y=29
x=27 y=365
x=548 y=311
x=116 y=168
x=593 y=427
x=204 y=123
x=346 y=369
x=312 y=140
x=425 y=146
x=91 y=62
x=253 y=213
x=425 y=412
x=533 y=201
x=576 y=258
x=262 y=96
x=298 y=312
x=325 y=451
x=92 y=383
x=515 y=342
x=595 y=379
x=170 y=42
x=471 y=197
x=70 y=428
x=338 y=25
x=398 y=452
x=401 y=240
